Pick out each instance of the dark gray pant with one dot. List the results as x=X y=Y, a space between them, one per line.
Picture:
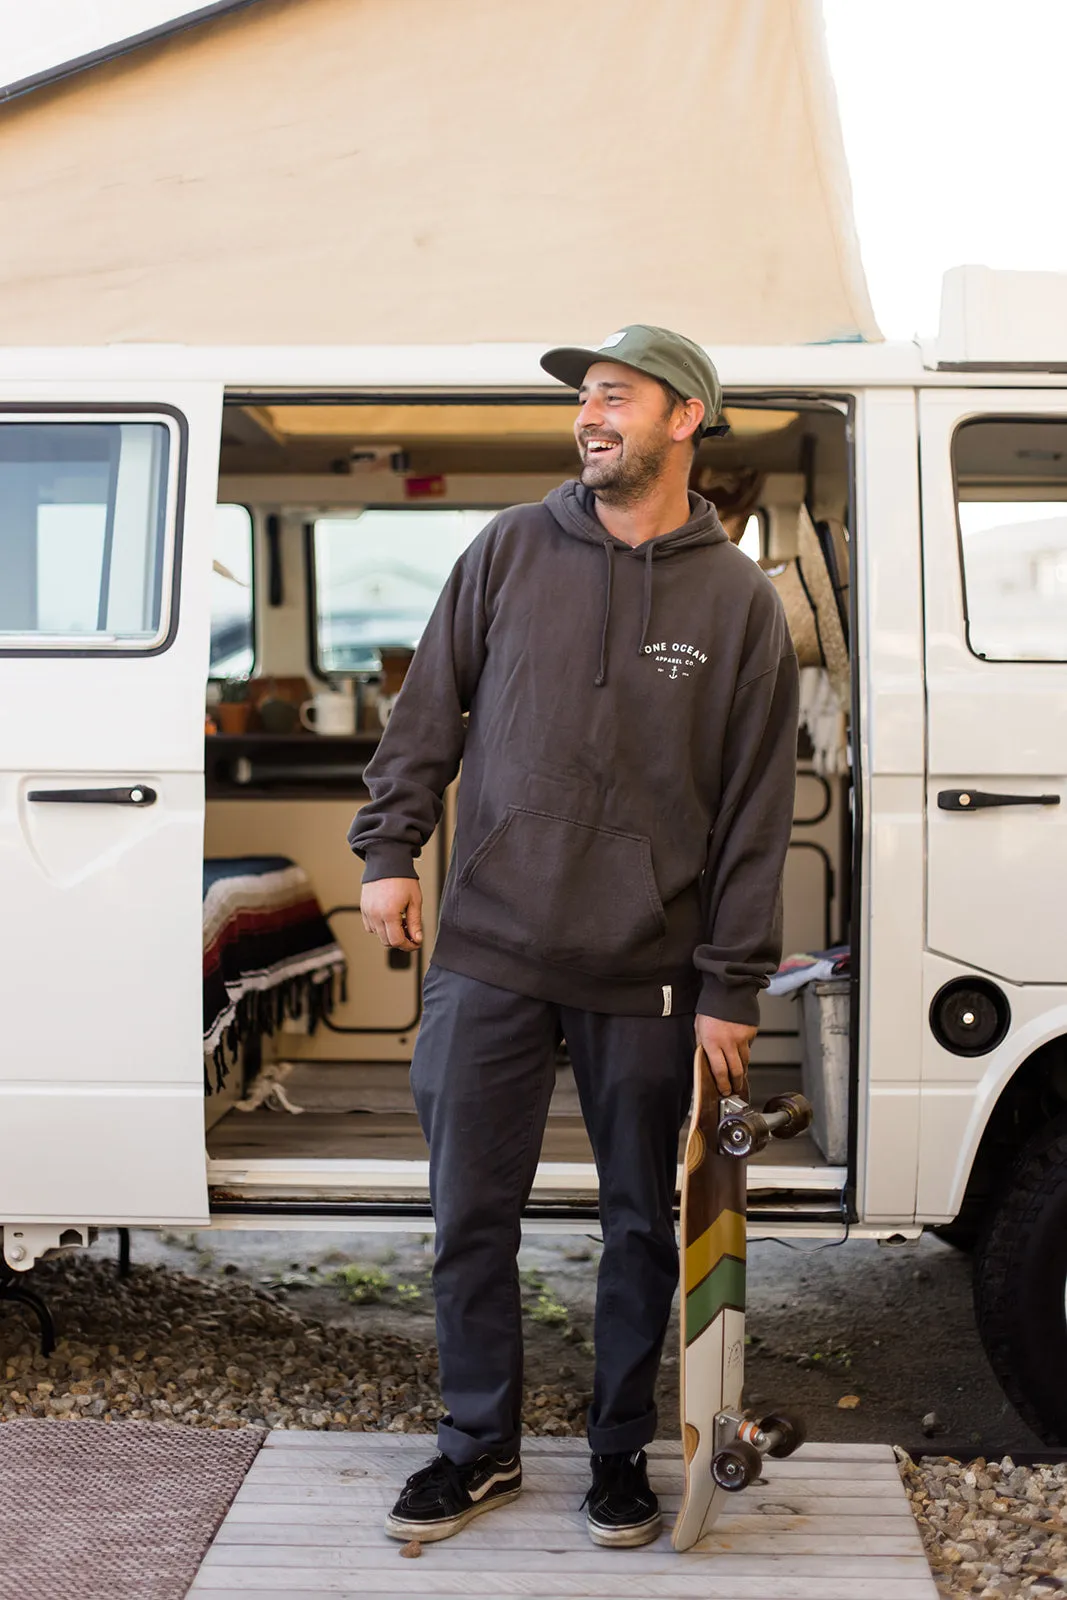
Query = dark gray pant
x=482 y=1077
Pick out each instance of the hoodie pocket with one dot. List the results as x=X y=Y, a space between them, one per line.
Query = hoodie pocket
x=565 y=892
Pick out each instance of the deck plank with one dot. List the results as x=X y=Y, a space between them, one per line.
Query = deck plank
x=536 y=1532
x=564 y=1446
x=830 y=1523
x=369 y=1486
x=310 y=1584
x=543 y=1471
x=818 y=1551
x=331 y=1523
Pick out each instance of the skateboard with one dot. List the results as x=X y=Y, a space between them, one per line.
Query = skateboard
x=723 y=1448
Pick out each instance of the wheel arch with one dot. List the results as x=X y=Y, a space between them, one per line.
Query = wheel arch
x=1010 y=1107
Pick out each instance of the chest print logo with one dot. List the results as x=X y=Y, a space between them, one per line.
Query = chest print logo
x=674 y=659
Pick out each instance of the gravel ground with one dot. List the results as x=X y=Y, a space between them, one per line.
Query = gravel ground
x=991 y=1529
x=891 y=1331
x=336 y=1332
x=168 y=1346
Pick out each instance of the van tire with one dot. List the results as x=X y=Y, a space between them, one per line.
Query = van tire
x=1020 y=1280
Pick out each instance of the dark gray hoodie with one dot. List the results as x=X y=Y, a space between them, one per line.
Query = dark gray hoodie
x=628 y=764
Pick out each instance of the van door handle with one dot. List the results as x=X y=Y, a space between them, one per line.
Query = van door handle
x=138 y=794
x=975 y=799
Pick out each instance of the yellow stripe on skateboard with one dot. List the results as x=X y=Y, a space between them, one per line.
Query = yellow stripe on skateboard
x=725 y=1237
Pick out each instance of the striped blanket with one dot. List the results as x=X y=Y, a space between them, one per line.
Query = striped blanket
x=268 y=954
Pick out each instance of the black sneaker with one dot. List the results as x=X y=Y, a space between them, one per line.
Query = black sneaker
x=439 y=1500
x=622 y=1508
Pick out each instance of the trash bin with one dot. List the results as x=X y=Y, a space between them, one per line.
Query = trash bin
x=824 y=1007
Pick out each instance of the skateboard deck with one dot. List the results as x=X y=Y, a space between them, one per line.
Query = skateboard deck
x=712 y=1316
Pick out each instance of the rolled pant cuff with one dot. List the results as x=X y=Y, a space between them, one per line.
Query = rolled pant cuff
x=624 y=1438
x=462 y=1449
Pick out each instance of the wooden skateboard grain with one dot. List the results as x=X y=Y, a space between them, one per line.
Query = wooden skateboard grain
x=712 y=1315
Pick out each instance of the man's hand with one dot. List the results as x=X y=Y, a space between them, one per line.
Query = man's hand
x=726 y=1045
x=392 y=908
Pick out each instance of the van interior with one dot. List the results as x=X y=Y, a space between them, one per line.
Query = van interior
x=339 y=519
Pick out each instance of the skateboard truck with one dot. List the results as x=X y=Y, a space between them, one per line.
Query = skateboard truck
x=741 y=1444
x=744 y=1131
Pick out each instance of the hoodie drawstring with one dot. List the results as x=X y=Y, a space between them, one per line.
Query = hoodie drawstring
x=602 y=675
x=646 y=616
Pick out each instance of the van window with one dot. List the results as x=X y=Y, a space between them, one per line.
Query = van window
x=376 y=578
x=1011 y=486
x=83 y=533
x=232 y=592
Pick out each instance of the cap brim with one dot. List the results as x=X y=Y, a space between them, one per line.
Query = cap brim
x=570 y=364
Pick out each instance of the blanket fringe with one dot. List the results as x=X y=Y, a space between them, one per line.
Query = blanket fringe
x=310 y=995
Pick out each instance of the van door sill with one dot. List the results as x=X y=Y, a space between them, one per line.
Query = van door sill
x=361 y=1182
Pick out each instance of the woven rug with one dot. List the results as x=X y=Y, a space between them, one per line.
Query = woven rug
x=112 y=1510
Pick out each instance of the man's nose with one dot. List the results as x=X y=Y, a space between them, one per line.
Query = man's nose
x=590 y=414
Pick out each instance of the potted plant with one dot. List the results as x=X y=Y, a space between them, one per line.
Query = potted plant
x=233 y=709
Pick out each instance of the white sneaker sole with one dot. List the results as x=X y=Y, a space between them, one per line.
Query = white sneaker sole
x=626 y=1538
x=429 y=1532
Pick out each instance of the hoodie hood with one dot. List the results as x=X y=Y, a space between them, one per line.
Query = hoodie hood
x=573 y=506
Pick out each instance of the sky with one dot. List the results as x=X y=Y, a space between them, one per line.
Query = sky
x=951 y=111
x=953 y=124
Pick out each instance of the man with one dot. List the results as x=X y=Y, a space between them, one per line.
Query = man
x=626 y=803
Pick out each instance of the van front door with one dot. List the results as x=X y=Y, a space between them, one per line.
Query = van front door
x=106 y=507
x=994 y=507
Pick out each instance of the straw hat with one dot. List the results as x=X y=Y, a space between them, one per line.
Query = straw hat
x=806 y=592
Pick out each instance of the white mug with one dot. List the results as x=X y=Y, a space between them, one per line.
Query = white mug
x=329 y=712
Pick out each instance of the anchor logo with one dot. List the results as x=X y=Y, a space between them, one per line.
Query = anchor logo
x=681 y=658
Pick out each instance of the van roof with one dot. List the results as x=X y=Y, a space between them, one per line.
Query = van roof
x=412 y=370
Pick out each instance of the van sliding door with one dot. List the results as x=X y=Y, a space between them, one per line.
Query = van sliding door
x=106 y=505
x=994 y=472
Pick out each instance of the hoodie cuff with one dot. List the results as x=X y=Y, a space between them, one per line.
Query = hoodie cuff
x=388 y=861
x=733 y=1002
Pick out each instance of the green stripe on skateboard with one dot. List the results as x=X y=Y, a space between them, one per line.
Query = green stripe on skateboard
x=724 y=1286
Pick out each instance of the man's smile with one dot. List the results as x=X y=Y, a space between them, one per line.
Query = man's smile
x=602 y=449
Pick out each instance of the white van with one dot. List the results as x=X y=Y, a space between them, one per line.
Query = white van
x=171 y=516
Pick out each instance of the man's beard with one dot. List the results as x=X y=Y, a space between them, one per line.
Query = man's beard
x=627 y=479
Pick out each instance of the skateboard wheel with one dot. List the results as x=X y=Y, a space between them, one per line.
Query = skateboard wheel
x=790 y=1430
x=742 y=1134
x=798 y=1114
x=736 y=1465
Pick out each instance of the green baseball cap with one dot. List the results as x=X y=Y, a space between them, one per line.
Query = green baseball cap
x=658 y=352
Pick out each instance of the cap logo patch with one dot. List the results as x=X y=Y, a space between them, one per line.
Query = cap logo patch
x=613 y=339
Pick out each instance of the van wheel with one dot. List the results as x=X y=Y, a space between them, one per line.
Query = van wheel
x=1020 y=1285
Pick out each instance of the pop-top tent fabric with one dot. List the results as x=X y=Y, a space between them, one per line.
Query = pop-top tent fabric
x=438 y=171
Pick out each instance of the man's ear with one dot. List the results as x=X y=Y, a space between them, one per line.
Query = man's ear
x=688 y=419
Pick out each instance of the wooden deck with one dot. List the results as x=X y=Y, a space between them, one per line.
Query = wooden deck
x=832 y=1523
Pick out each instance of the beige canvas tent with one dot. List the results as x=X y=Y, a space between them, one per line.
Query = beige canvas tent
x=437 y=171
